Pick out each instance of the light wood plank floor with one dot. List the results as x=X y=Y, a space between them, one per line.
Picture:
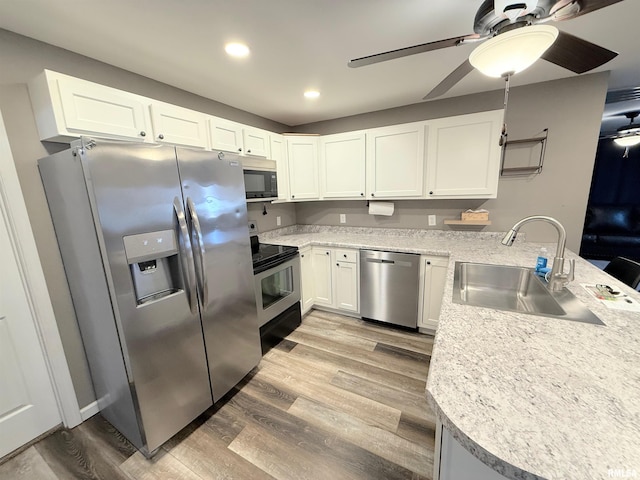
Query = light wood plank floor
x=338 y=399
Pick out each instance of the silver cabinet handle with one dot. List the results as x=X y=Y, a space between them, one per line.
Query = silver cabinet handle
x=186 y=256
x=201 y=274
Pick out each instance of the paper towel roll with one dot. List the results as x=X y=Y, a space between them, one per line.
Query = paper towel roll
x=381 y=208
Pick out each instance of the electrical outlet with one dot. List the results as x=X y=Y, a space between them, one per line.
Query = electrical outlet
x=432 y=220
x=278 y=220
x=343 y=218
x=253 y=227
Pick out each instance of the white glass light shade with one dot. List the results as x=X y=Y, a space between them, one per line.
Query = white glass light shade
x=513 y=51
x=628 y=141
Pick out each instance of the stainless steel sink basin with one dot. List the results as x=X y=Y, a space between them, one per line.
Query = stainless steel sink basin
x=515 y=289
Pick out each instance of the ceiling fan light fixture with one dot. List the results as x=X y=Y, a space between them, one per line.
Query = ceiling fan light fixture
x=513 y=51
x=628 y=141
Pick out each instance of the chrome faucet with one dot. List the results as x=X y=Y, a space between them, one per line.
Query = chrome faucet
x=557 y=278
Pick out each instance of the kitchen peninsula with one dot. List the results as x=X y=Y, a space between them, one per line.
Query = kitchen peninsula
x=532 y=397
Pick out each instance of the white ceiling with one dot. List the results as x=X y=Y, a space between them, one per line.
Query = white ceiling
x=298 y=44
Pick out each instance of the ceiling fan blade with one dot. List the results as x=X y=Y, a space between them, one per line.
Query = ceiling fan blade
x=405 y=52
x=576 y=54
x=588 y=6
x=454 y=77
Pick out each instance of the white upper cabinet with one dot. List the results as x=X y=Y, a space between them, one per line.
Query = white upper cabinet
x=66 y=108
x=342 y=165
x=278 y=147
x=225 y=135
x=237 y=138
x=395 y=161
x=178 y=126
x=464 y=156
x=256 y=142
x=302 y=156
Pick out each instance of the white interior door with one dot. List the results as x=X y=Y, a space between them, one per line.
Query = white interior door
x=28 y=405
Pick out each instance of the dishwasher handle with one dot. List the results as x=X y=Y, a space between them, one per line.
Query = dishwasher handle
x=379 y=260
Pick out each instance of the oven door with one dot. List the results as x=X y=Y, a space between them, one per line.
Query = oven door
x=277 y=289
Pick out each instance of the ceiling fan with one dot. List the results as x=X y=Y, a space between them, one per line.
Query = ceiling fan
x=514 y=29
x=627 y=135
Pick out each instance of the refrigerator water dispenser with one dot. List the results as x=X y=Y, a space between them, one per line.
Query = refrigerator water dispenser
x=153 y=262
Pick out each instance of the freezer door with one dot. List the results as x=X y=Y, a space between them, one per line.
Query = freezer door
x=137 y=205
x=213 y=189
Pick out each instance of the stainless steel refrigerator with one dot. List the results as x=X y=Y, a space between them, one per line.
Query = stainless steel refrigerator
x=155 y=245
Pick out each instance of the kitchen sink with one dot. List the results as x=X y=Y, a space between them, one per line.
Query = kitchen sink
x=515 y=289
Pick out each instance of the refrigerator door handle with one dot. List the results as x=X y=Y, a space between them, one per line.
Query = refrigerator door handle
x=199 y=252
x=186 y=255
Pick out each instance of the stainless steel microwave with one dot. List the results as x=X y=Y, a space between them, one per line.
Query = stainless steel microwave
x=260 y=180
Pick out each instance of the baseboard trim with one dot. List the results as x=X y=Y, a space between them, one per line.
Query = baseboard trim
x=89 y=411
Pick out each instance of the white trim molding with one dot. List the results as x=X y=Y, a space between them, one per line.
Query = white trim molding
x=89 y=411
x=35 y=285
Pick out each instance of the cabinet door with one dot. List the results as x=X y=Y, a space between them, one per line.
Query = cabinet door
x=95 y=109
x=306 y=269
x=279 y=154
x=322 y=281
x=303 y=167
x=346 y=277
x=178 y=126
x=464 y=156
x=225 y=135
x=256 y=142
x=432 y=280
x=395 y=161
x=342 y=165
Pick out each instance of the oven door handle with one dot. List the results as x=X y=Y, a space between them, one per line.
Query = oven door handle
x=186 y=256
x=199 y=254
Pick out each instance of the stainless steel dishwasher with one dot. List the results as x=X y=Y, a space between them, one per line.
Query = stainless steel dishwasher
x=389 y=287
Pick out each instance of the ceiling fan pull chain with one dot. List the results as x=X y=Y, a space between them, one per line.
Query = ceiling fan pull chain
x=503 y=134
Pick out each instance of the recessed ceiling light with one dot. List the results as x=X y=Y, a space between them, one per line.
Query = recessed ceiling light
x=237 y=49
x=312 y=94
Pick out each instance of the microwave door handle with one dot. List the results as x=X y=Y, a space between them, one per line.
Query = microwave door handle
x=186 y=256
x=199 y=253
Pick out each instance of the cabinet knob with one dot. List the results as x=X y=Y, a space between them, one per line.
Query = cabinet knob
x=239 y=149
x=337 y=264
x=361 y=194
x=428 y=263
x=293 y=196
x=327 y=253
x=302 y=255
x=431 y=192
x=249 y=151
x=373 y=194
x=345 y=256
x=143 y=133
x=161 y=137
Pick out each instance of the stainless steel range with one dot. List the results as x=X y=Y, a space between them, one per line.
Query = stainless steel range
x=276 y=270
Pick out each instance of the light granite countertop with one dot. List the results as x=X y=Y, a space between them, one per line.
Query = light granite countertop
x=532 y=397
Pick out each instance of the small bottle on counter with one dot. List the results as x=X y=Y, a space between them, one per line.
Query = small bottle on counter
x=541 y=262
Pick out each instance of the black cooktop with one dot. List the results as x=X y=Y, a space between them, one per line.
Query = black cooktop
x=266 y=255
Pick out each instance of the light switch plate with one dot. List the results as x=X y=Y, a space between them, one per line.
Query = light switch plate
x=278 y=220
x=343 y=218
x=253 y=227
x=432 y=220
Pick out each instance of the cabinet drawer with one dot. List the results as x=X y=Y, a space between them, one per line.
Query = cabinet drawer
x=349 y=256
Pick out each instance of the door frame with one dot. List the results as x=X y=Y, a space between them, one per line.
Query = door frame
x=28 y=260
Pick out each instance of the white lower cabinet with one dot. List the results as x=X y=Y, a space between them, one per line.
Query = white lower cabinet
x=306 y=280
x=335 y=277
x=322 y=276
x=433 y=275
x=346 y=273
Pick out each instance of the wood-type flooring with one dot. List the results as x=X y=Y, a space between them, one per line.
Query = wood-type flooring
x=339 y=398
